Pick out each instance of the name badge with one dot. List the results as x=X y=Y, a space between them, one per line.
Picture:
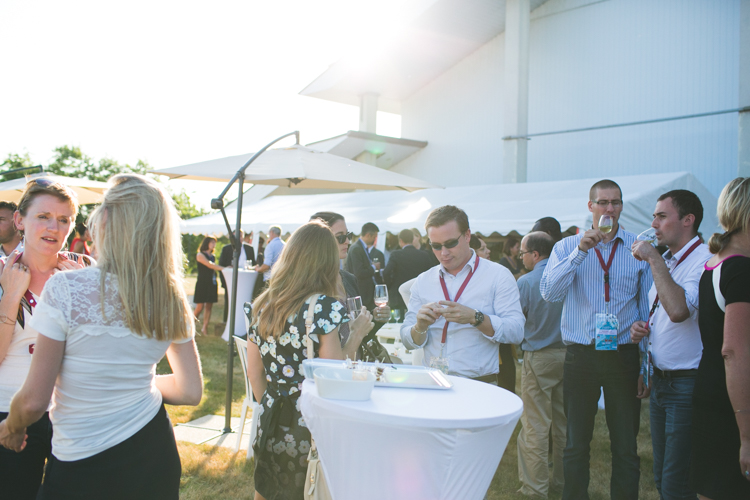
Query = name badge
x=606 y=332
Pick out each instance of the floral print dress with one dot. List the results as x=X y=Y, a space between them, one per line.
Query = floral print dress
x=280 y=468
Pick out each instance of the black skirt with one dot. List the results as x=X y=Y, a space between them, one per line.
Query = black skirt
x=145 y=466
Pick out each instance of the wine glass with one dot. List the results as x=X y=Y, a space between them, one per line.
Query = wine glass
x=381 y=295
x=648 y=235
x=397 y=315
x=354 y=306
x=605 y=223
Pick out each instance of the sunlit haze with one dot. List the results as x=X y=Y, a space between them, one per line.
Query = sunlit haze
x=173 y=83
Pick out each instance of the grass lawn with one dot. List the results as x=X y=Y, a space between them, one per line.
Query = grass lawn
x=214 y=473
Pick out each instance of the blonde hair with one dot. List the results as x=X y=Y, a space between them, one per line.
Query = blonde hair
x=309 y=264
x=46 y=185
x=733 y=211
x=136 y=232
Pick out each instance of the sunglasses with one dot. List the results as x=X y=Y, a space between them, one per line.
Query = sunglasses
x=343 y=238
x=47 y=182
x=448 y=244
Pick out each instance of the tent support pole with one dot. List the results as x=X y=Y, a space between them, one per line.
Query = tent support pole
x=218 y=203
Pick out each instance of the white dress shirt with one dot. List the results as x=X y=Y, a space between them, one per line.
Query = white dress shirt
x=492 y=291
x=678 y=346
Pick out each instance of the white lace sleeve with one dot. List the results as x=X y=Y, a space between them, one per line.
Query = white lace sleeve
x=51 y=315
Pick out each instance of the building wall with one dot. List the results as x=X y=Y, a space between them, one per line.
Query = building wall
x=593 y=64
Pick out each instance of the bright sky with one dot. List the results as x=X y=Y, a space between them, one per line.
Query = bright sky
x=175 y=82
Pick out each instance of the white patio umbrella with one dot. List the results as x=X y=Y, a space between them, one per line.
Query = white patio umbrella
x=87 y=191
x=298 y=167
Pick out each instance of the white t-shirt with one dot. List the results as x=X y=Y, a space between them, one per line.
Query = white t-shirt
x=106 y=389
x=15 y=366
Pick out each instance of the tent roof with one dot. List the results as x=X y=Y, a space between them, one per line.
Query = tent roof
x=500 y=208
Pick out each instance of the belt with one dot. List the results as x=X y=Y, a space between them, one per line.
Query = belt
x=489 y=379
x=675 y=373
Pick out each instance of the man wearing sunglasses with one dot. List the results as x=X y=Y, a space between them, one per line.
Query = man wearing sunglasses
x=462 y=309
x=604 y=290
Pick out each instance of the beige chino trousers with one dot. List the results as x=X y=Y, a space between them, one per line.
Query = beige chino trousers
x=542 y=395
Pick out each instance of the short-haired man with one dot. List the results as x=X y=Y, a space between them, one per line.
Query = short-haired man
x=673 y=335
x=360 y=264
x=271 y=254
x=604 y=291
x=404 y=264
x=462 y=309
x=541 y=376
x=10 y=237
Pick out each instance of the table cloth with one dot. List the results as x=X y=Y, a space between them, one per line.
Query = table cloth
x=245 y=285
x=412 y=443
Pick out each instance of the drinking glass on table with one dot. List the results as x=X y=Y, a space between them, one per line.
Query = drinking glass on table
x=396 y=313
x=381 y=295
x=354 y=306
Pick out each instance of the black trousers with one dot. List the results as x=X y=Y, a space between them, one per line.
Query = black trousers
x=506 y=377
x=21 y=473
x=145 y=466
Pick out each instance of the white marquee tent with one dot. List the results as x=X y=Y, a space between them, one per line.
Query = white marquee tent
x=500 y=208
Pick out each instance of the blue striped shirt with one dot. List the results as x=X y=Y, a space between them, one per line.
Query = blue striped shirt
x=577 y=279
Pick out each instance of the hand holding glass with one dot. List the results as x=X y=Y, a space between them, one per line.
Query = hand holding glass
x=354 y=306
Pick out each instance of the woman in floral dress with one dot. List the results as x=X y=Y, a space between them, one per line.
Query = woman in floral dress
x=308 y=265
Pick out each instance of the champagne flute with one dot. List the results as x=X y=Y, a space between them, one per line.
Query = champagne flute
x=381 y=295
x=354 y=306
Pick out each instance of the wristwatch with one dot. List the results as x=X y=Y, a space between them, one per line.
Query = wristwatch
x=478 y=318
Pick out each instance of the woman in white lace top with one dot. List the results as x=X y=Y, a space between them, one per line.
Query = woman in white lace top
x=101 y=332
x=46 y=213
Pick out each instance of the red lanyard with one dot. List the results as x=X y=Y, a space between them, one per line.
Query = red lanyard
x=458 y=295
x=684 y=256
x=606 y=267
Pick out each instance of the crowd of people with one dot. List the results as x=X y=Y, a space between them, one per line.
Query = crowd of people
x=602 y=311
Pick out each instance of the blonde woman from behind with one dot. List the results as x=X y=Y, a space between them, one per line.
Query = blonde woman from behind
x=101 y=332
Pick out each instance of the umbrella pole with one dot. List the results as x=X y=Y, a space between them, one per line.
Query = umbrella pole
x=218 y=203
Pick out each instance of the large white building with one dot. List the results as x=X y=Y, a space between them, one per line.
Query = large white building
x=498 y=91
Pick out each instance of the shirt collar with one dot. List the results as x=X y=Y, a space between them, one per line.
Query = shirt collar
x=470 y=265
x=541 y=263
x=668 y=254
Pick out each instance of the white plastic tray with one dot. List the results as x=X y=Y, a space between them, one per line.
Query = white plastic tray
x=404 y=376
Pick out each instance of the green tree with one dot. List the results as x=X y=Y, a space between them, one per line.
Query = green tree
x=14 y=161
x=71 y=162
